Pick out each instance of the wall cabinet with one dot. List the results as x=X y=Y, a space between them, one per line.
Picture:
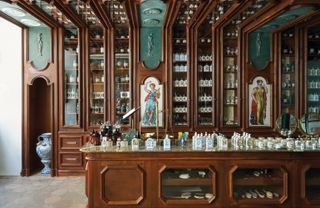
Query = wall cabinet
x=313 y=69
x=97 y=94
x=71 y=78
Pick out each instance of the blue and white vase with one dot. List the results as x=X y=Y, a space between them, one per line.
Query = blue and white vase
x=44 y=149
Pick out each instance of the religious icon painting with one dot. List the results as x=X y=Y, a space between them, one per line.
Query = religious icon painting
x=151 y=102
x=259 y=103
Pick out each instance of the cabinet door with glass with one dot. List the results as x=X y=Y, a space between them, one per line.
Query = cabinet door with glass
x=189 y=185
x=180 y=77
x=313 y=69
x=96 y=76
x=258 y=185
x=288 y=72
x=205 y=75
x=231 y=75
x=71 y=98
x=121 y=60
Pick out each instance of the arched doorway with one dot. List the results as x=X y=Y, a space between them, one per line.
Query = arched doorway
x=39 y=110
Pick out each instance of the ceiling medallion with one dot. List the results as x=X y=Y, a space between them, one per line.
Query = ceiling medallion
x=13 y=12
x=30 y=22
x=151 y=21
x=150 y=11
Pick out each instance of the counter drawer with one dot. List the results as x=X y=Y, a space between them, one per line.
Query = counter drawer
x=70 y=142
x=71 y=159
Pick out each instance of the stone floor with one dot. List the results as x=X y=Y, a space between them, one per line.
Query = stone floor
x=42 y=191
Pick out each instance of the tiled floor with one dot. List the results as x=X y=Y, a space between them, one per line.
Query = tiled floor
x=42 y=191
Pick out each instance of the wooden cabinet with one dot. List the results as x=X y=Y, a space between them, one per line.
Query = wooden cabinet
x=202 y=179
x=70 y=159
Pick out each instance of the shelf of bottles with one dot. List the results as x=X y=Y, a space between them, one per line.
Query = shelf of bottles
x=97 y=75
x=313 y=68
x=312 y=185
x=180 y=68
x=231 y=80
x=288 y=71
x=71 y=81
x=205 y=75
x=197 y=185
x=265 y=185
x=122 y=74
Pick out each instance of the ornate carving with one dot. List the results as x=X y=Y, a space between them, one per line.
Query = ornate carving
x=150 y=44
x=152 y=11
x=40 y=44
x=259 y=44
x=151 y=21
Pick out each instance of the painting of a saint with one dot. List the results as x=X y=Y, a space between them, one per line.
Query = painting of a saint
x=151 y=102
x=259 y=103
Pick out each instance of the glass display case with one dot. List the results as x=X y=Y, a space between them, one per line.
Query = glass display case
x=313 y=70
x=231 y=81
x=254 y=185
x=71 y=77
x=194 y=184
x=288 y=78
x=312 y=185
x=205 y=74
x=180 y=64
x=122 y=66
x=96 y=76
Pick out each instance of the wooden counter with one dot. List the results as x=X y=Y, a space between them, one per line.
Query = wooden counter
x=125 y=178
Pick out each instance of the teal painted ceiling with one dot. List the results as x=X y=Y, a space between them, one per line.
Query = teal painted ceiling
x=20 y=15
x=284 y=18
x=151 y=13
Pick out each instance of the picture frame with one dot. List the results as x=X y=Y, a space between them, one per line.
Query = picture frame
x=260 y=94
x=151 y=102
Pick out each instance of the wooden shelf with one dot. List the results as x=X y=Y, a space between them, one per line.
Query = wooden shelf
x=99 y=114
x=98 y=83
x=258 y=181
x=315 y=181
x=187 y=182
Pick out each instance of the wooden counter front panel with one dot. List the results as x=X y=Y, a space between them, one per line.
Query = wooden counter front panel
x=123 y=180
x=119 y=184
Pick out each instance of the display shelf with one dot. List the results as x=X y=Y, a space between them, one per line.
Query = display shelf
x=96 y=75
x=313 y=69
x=179 y=56
x=288 y=76
x=230 y=58
x=71 y=82
x=192 y=184
x=251 y=185
x=205 y=74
